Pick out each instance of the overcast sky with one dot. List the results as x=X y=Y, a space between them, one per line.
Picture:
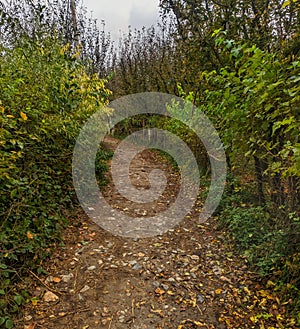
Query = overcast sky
x=119 y=14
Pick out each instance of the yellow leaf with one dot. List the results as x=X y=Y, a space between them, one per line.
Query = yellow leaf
x=23 y=116
x=270 y=284
x=56 y=280
x=218 y=291
x=159 y=291
x=29 y=235
x=291 y=322
x=10 y=116
x=263 y=302
x=265 y=293
x=262 y=326
x=247 y=291
x=159 y=312
x=279 y=317
x=194 y=302
x=228 y=322
x=285 y=4
x=253 y=319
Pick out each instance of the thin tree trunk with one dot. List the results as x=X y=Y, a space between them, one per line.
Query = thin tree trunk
x=294 y=194
x=74 y=21
x=259 y=180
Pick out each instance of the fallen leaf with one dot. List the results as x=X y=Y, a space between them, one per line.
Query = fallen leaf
x=23 y=116
x=223 y=278
x=197 y=323
x=159 y=291
x=159 y=312
x=30 y=326
x=247 y=291
x=29 y=235
x=270 y=284
x=265 y=293
x=56 y=280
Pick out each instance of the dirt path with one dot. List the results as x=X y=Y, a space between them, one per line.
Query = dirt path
x=189 y=277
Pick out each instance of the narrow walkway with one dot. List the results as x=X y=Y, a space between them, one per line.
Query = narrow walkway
x=189 y=277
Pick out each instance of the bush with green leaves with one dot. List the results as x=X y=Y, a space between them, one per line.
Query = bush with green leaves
x=270 y=246
x=253 y=102
x=46 y=96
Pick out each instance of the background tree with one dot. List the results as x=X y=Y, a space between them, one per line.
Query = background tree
x=266 y=23
x=35 y=19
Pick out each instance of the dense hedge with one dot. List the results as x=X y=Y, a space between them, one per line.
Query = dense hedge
x=46 y=95
x=255 y=105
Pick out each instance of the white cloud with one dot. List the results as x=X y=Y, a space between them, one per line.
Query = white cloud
x=119 y=15
x=143 y=13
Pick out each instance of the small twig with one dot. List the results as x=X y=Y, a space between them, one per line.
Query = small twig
x=199 y=309
x=110 y=322
x=7 y=216
x=75 y=279
x=74 y=312
x=132 y=311
x=61 y=316
x=44 y=284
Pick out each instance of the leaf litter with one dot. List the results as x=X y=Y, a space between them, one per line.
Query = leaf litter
x=190 y=277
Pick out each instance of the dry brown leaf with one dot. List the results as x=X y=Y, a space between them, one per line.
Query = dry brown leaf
x=30 y=326
x=29 y=235
x=159 y=291
x=159 y=312
x=56 y=280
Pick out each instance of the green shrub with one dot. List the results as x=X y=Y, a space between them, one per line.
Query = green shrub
x=102 y=156
x=46 y=96
x=269 y=244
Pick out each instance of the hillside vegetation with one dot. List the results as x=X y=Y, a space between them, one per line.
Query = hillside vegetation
x=236 y=61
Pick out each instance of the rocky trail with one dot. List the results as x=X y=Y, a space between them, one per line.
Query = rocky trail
x=190 y=277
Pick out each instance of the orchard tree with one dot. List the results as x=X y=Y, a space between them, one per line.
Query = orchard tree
x=68 y=21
